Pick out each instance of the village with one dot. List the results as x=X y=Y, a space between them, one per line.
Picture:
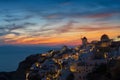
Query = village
x=74 y=63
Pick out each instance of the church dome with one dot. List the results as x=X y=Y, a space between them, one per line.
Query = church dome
x=105 y=38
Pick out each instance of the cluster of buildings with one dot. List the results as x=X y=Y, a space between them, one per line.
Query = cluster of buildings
x=78 y=61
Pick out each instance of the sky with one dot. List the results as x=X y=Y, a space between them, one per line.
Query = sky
x=57 y=22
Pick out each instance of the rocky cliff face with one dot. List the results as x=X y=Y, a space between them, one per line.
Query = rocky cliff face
x=19 y=74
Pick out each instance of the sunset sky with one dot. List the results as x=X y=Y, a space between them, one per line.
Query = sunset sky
x=57 y=22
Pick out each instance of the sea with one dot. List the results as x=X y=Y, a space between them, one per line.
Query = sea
x=11 y=56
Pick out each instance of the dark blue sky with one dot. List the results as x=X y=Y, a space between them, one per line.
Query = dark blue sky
x=54 y=21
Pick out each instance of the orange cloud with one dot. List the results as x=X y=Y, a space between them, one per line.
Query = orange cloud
x=73 y=39
x=87 y=28
x=70 y=27
x=70 y=35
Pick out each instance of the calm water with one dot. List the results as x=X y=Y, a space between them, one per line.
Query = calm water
x=10 y=56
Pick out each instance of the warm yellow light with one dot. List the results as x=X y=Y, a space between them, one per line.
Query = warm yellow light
x=73 y=68
x=105 y=44
x=37 y=64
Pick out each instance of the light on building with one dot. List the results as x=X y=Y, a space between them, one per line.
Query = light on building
x=105 y=44
x=37 y=64
x=73 y=68
x=105 y=55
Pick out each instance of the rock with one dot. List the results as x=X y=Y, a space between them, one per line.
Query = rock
x=19 y=74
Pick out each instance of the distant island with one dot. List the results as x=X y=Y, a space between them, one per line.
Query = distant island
x=97 y=60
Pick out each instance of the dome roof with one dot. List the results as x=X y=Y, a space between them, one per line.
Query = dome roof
x=105 y=38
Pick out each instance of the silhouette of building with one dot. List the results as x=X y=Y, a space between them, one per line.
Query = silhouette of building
x=84 y=41
x=104 y=38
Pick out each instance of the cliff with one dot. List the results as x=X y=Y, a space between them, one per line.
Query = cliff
x=19 y=74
